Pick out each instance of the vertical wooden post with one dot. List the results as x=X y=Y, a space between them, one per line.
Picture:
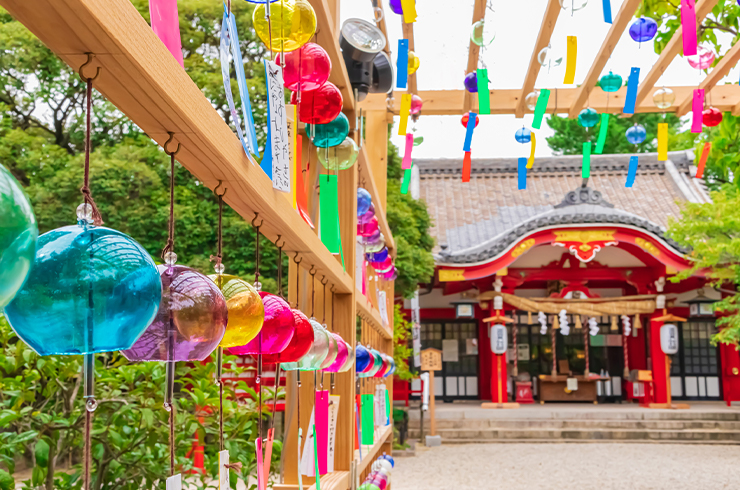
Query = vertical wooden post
x=376 y=145
x=432 y=420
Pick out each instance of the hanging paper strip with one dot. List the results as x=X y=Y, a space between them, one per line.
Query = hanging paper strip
x=322 y=428
x=469 y=131
x=631 y=97
x=358 y=432
x=166 y=25
x=316 y=458
x=268 y=455
x=409 y=11
x=632 y=172
x=662 y=141
x=484 y=95
x=328 y=212
x=570 y=66
x=301 y=200
x=402 y=64
x=703 y=160
x=293 y=130
x=405 y=108
x=586 y=166
x=260 y=465
x=276 y=162
x=229 y=40
x=367 y=412
x=688 y=27
x=697 y=108
x=607 y=6
x=541 y=108
x=406 y=181
x=467 y=166
x=406 y=164
x=602 y=133
x=530 y=162
x=522 y=173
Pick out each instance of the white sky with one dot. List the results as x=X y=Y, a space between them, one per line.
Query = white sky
x=441 y=35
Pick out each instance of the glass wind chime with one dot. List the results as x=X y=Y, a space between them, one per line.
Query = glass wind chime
x=96 y=286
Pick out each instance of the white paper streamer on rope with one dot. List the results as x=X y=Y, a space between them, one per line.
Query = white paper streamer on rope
x=626 y=326
x=564 y=325
x=542 y=318
x=593 y=326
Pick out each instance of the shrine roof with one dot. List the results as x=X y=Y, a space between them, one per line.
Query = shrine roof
x=475 y=221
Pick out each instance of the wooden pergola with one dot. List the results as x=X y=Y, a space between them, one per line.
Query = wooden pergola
x=141 y=78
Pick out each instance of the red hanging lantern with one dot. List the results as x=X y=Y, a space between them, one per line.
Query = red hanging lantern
x=308 y=67
x=711 y=117
x=466 y=117
x=320 y=106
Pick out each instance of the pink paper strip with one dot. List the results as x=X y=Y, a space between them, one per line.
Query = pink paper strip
x=166 y=25
x=407 y=153
x=688 y=26
x=322 y=429
x=698 y=109
x=260 y=466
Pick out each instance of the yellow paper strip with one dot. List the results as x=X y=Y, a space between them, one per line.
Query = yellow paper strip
x=530 y=162
x=570 y=67
x=663 y=141
x=293 y=162
x=409 y=11
x=405 y=108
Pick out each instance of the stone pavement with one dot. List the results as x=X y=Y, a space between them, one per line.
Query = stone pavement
x=554 y=466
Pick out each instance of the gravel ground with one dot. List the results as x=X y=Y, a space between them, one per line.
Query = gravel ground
x=568 y=466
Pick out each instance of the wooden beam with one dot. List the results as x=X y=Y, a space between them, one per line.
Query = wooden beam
x=479 y=12
x=624 y=16
x=728 y=62
x=504 y=101
x=381 y=25
x=408 y=33
x=140 y=77
x=672 y=49
x=552 y=11
x=376 y=146
x=327 y=36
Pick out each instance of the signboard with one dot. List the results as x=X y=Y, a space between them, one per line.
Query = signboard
x=431 y=360
x=450 y=350
x=572 y=384
x=522 y=352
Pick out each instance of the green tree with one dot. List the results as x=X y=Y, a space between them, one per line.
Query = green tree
x=570 y=135
x=409 y=221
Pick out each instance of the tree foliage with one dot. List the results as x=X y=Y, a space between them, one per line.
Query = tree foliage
x=409 y=221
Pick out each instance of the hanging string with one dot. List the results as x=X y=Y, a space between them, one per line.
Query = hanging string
x=85 y=189
x=171 y=224
x=298 y=372
x=324 y=280
x=313 y=291
x=333 y=328
x=219 y=268
x=280 y=266
x=257 y=252
x=258 y=380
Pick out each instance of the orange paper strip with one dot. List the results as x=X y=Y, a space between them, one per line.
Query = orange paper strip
x=300 y=188
x=467 y=165
x=703 y=160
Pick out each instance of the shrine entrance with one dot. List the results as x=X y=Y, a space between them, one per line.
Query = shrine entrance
x=695 y=369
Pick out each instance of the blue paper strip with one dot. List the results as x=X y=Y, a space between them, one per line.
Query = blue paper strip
x=607 y=4
x=469 y=131
x=402 y=64
x=631 y=98
x=632 y=172
x=266 y=163
x=522 y=173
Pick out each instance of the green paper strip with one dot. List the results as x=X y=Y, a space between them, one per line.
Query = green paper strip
x=602 y=133
x=406 y=181
x=541 y=108
x=484 y=95
x=368 y=419
x=329 y=210
x=316 y=458
x=586 y=168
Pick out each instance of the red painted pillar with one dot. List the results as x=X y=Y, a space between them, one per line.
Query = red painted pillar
x=657 y=356
x=499 y=393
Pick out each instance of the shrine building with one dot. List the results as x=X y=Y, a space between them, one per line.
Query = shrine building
x=589 y=258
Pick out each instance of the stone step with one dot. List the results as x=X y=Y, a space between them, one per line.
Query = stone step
x=581 y=424
x=596 y=414
x=587 y=441
x=627 y=435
